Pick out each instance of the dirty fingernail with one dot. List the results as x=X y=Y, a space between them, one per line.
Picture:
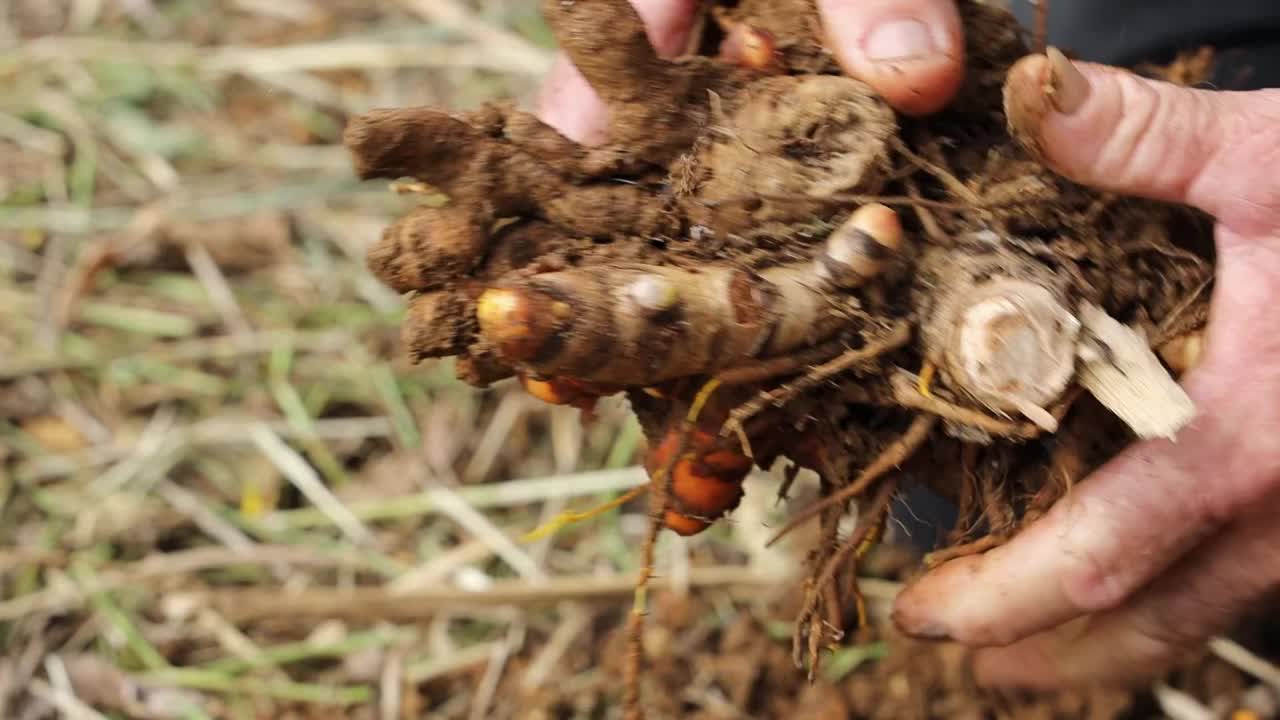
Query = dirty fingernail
x=899 y=40
x=1068 y=87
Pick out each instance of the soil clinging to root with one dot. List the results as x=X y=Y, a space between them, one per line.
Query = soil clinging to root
x=771 y=263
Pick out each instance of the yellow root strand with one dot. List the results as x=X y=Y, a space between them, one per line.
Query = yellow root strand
x=570 y=517
x=874 y=533
x=926 y=378
x=889 y=459
x=700 y=400
x=659 y=502
x=860 y=606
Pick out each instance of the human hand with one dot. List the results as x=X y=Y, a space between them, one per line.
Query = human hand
x=910 y=51
x=1170 y=542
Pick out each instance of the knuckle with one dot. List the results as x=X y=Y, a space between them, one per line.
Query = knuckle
x=1165 y=633
x=1154 y=648
x=1239 y=149
x=1094 y=585
x=1147 y=128
x=1095 y=546
x=1121 y=541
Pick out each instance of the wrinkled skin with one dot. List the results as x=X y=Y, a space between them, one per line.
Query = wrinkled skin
x=1170 y=542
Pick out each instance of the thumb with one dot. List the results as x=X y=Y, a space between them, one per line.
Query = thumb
x=570 y=105
x=910 y=51
x=1115 y=131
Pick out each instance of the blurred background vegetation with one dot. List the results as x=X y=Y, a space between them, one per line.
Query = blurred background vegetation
x=223 y=490
x=208 y=434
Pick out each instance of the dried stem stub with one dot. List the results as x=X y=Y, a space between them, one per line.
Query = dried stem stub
x=1013 y=347
x=1124 y=374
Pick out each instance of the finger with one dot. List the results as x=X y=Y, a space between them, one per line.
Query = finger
x=910 y=51
x=567 y=101
x=568 y=104
x=1075 y=560
x=1134 y=517
x=1167 y=621
x=1111 y=129
x=668 y=23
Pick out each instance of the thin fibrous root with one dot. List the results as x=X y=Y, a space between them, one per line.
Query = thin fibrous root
x=779 y=366
x=634 y=668
x=874 y=533
x=811 y=628
x=858 y=543
x=890 y=458
x=844 y=199
x=659 y=504
x=906 y=393
x=638 y=325
x=968 y=197
x=977 y=547
x=897 y=337
x=1186 y=318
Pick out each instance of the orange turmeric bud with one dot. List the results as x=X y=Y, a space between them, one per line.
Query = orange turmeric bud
x=748 y=47
x=857 y=250
x=705 y=484
x=519 y=322
x=544 y=390
x=684 y=525
x=566 y=391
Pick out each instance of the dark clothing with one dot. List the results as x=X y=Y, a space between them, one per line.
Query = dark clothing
x=1244 y=33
